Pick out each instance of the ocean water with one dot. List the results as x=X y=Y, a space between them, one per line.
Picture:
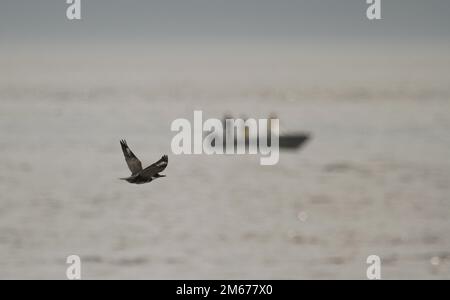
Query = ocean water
x=374 y=179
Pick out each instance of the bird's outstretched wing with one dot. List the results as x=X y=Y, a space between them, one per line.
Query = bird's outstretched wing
x=134 y=164
x=155 y=168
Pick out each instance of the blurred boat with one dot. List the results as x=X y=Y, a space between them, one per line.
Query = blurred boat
x=287 y=140
x=291 y=141
x=294 y=140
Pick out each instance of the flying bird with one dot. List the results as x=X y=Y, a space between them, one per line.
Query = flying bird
x=139 y=175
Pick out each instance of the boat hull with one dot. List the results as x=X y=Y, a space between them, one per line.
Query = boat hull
x=292 y=141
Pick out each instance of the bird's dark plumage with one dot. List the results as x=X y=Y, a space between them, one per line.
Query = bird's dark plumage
x=134 y=164
x=139 y=175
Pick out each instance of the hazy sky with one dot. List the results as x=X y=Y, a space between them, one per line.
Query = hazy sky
x=111 y=20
